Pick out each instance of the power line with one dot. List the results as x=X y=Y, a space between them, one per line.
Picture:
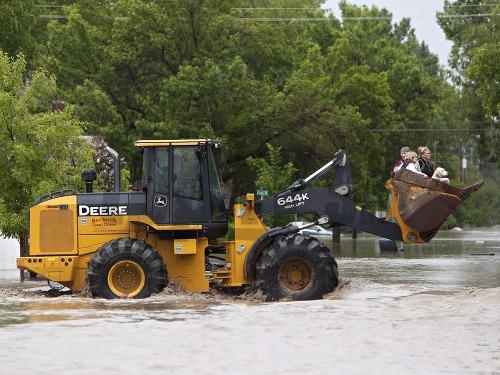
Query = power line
x=361 y=18
x=466 y=15
x=447 y=122
x=51 y=16
x=310 y=19
x=279 y=9
x=429 y=130
x=331 y=9
x=469 y=5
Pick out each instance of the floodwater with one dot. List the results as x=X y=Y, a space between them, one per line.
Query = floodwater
x=430 y=309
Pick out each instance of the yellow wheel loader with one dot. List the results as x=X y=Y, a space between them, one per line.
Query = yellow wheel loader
x=129 y=244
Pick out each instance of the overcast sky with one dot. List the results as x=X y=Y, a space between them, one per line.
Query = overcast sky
x=423 y=20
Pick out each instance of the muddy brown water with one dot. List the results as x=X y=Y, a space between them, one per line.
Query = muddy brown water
x=430 y=309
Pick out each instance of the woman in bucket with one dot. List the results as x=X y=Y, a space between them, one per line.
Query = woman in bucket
x=411 y=163
x=400 y=162
x=424 y=161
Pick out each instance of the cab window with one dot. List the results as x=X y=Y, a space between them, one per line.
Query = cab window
x=161 y=170
x=187 y=173
x=216 y=196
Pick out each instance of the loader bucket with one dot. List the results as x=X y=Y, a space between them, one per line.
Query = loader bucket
x=419 y=205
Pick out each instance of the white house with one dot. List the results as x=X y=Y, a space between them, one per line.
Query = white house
x=9 y=251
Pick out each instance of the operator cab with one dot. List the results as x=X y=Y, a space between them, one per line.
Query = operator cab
x=183 y=184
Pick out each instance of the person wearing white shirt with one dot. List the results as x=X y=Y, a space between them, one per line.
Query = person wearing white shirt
x=410 y=161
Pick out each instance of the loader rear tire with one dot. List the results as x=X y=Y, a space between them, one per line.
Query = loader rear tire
x=296 y=267
x=126 y=268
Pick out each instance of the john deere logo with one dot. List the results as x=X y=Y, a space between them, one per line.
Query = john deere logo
x=160 y=201
x=84 y=210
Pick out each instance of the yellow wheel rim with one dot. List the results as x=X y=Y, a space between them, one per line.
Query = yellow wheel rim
x=296 y=274
x=126 y=279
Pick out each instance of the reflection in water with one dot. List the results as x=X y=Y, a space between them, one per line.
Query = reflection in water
x=20 y=311
x=451 y=261
x=445 y=244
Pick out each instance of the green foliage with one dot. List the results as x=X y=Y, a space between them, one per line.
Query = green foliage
x=481 y=208
x=104 y=167
x=204 y=69
x=272 y=176
x=18 y=20
x=474 y=29
x=486 y=74
x=450 y=223
x=253 y=75
x=41 y=150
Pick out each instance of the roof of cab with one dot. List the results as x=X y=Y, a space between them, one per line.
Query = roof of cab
x=173 y=142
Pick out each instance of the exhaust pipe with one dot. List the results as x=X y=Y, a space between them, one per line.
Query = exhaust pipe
x=116 y=169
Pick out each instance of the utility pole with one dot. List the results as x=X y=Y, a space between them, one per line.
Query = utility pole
x=435 y=154
x=463 y=165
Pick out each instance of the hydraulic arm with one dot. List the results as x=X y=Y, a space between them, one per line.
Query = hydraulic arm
x=419 y=205
x=333 y=203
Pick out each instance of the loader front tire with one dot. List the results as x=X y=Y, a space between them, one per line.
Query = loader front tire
x=296 y=267
x=126 y=268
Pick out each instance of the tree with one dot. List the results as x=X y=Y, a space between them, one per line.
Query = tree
x=485 y=73
x=279 y=72
x=273 y=175
x=18 y=18
x=474 y=29
x=41 y=149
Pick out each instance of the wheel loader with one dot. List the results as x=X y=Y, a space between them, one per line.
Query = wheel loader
x=130 y=244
